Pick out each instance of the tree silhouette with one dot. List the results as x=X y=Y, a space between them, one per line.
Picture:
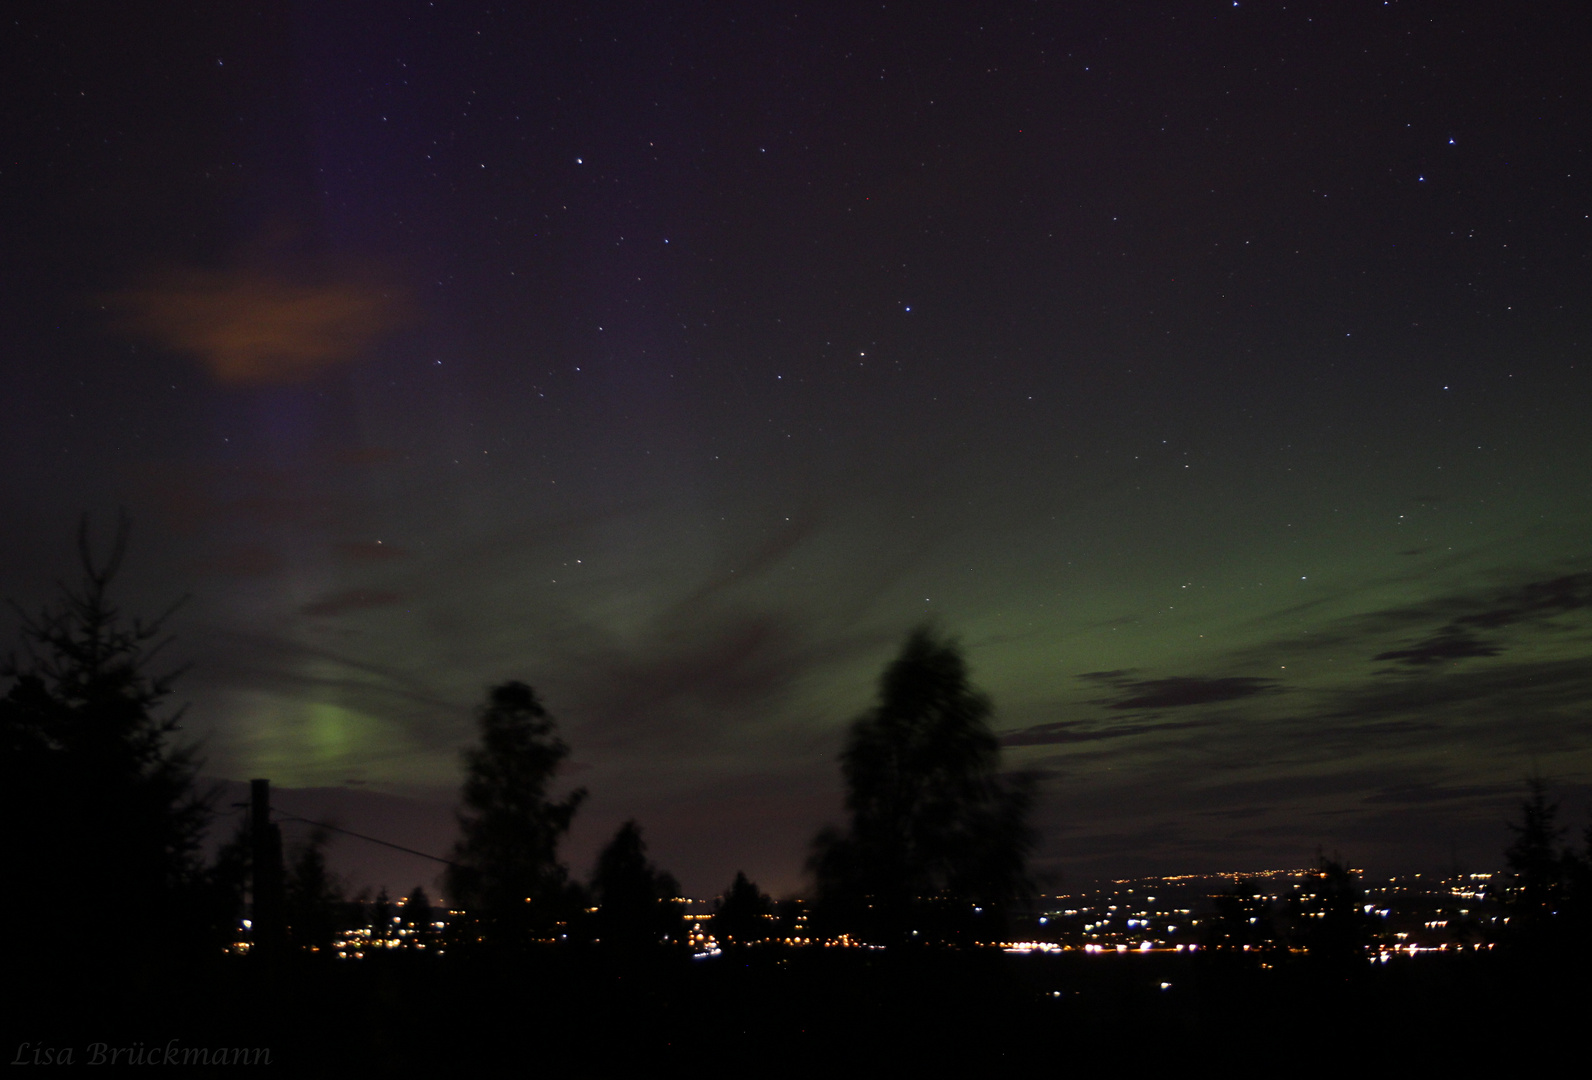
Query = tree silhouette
x=1534 y=883
x=636 y=905
x=1332 y=922
x=505 y=869
x=99 y=800
x=229 y=878
x=745 y=913
x=1243 y=918
x=1576 y=906
x=381 y=916
x=936 y=832
x=316 y=906
x=419 y=917
x=417 y=909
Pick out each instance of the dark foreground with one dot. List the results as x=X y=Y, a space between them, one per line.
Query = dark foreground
x=801 y=1011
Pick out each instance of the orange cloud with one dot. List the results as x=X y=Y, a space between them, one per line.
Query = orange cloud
x=254 y=327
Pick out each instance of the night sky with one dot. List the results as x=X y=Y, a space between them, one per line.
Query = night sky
x=1218 y=373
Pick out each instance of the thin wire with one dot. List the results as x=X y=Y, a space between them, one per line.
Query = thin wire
x=362 y=836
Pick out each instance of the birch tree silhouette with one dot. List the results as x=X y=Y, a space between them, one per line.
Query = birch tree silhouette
x=936 y=834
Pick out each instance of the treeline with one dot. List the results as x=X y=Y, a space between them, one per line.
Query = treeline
x=105 y=822
x=1541 y=902
x=103 y=856
x=1329 y=921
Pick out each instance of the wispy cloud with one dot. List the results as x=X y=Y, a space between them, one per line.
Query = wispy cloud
x=1533 y=604
x=1450 y=646
x=1080 y=731
x=347 y=600
x=1177 y=691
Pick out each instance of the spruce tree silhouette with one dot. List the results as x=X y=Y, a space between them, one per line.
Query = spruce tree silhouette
x=936 y=833
x=1243 y=918
x=636 y=902
x=1534 y=883
x=381 y=916
x=505 y=870
x=745 y=914
x=316 y=906
x=1577 y=904
x=419 y=915
x=1333 y=926
x=103 y=817
x=230 y=876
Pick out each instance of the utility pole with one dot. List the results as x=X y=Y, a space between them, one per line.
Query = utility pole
x=266 y=859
